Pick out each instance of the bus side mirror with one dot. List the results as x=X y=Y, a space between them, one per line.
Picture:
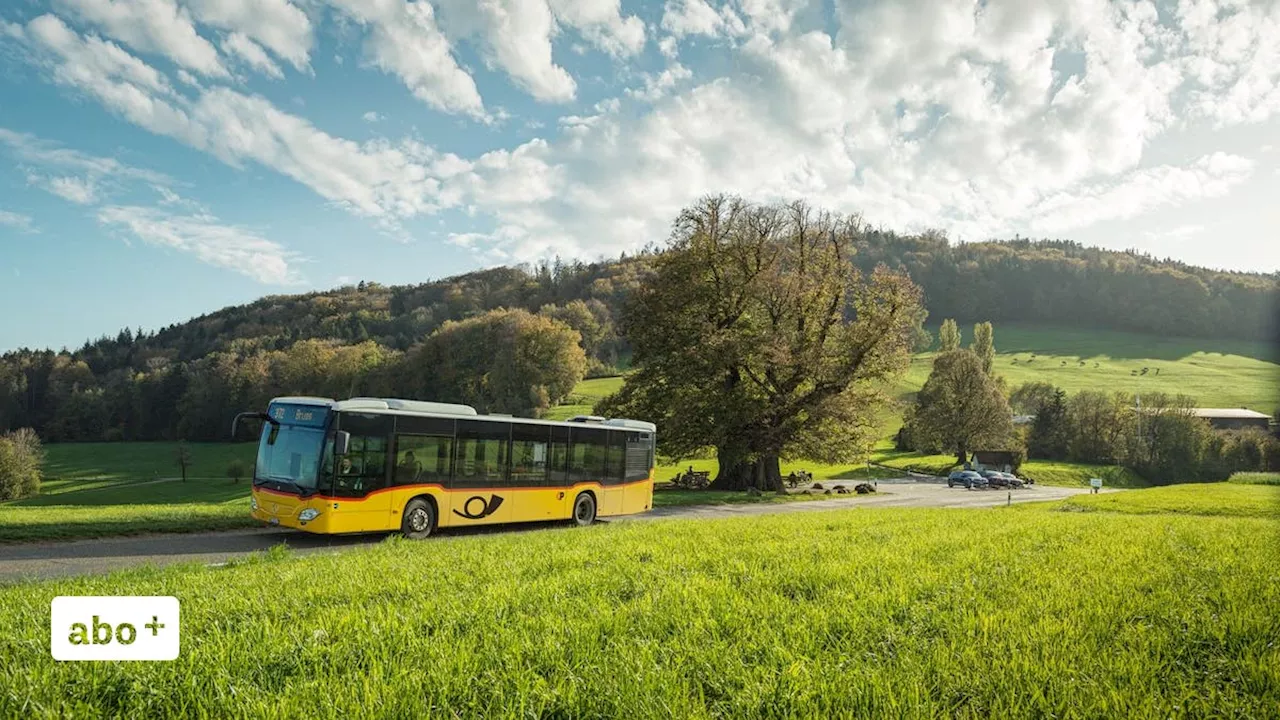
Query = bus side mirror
x=341 y=443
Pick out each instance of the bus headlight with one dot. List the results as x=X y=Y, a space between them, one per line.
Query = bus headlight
x=308 y=515
x=253 y=503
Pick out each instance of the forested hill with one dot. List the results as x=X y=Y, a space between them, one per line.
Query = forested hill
x=1051 y=282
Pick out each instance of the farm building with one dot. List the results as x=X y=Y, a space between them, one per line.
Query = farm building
x=996 y=460
x=1234 y=418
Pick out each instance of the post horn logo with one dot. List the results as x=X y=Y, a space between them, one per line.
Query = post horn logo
x=487 y=507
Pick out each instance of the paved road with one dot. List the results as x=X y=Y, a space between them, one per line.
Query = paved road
x=84 y=557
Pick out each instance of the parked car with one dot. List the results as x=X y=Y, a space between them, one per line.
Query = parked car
x=995 y=478
x=967 y=478
x=1014 y=480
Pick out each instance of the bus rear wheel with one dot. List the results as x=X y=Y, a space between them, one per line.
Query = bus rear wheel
x=419 y=519
x=584 y=509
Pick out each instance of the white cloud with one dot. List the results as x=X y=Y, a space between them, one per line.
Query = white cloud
x=225 y=246
x=1139 y=192
x=697 y=17
x=31 y=150
x=514 y=36
x=82 y=191
x=602 y=24
x=151 y=26
x=251 y=53
x=373 y=116
x=278 y=25
x=1232 y=55
x=1181 y=233
x=405 y=41
x=18 y=221
x=657 y=86
x=372 y=179
x=978 y=118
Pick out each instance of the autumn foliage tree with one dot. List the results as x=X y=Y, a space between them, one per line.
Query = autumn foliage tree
x=504 y=361
x=757 y=337
x=961 y=408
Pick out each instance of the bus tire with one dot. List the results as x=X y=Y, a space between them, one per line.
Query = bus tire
x=584 y=509
x=419 y=519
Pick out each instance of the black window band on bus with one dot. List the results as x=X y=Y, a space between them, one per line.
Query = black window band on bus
x=411 y=425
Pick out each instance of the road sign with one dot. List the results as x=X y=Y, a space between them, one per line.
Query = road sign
x=1095 y=482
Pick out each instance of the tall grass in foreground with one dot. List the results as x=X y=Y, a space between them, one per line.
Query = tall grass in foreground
x=892 y=613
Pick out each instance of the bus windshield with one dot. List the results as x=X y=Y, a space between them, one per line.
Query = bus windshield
x=290 y=454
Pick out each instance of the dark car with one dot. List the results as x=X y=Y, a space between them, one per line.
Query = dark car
x=995 y=478
x=1014 y=480
x=966 y=478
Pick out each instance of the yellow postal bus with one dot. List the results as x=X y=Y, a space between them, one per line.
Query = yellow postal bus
x=378 y=464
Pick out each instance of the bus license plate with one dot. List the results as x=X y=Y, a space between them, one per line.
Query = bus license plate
x=274 y=521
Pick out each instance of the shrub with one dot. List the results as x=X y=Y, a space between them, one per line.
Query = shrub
x=21 y=457
x=236 y=470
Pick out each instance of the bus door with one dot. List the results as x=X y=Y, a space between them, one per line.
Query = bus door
x=360 y=477
x=615 y=472
x=479 y=494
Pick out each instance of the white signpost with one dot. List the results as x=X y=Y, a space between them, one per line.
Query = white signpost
x=1095 y=483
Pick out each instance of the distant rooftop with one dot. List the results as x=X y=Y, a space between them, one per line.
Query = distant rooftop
x=1234 y=413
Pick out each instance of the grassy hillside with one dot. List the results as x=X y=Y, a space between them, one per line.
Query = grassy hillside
x=1218 y=373
x=892 y=613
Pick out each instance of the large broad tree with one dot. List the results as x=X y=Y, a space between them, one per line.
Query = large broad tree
x=961 y=408
x=757 y=337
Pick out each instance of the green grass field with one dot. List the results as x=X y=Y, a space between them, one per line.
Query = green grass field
x=1218 y=373
x=892 y=613
x=104 y=489
x=1233 y=499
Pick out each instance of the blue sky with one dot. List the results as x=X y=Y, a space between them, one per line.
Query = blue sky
x=163 y=158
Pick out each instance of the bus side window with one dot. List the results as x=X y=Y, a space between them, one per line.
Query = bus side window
x=558 y=472
x=422 y=460
x=587 y=455
x=529 y=454
x=481 y=453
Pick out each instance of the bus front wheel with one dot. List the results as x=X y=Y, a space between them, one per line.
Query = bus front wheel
x=419 y=519
x=584 y=509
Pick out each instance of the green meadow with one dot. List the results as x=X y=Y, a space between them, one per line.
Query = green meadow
x=1029 y=612
x=1218 y=373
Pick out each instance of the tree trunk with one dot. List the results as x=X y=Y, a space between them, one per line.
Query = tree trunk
x=739 y=473
x=961 y=456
